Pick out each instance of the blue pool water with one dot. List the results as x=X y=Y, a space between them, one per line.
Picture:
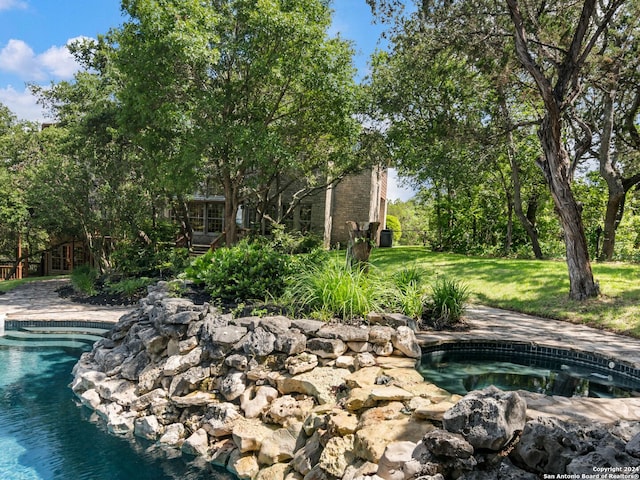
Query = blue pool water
x=45 y=435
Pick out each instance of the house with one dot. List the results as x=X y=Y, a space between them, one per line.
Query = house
x=358 y=197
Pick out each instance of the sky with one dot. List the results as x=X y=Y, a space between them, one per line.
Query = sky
x=34 y=35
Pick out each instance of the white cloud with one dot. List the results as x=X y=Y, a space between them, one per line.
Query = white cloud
x=56 y=63
x=23 y=104
x=12 y=5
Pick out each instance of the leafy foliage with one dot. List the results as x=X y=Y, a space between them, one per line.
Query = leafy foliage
x=332 y=289
x=250 y=270
x=84 y=278
x=446 y=302
x=393 y=223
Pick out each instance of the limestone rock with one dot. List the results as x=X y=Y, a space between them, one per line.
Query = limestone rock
x=221 y=452
x=90 y=398
x=182 y=318
x=346 y=333
x=345 y=361
x=364 y=377
x=254 y=400
x=633 y=446
x=326 y=347
x=380 y=335
x=147 y=427
x=291 y=342
x=383 y=350
x=259 y=343
x=226 y=336
x=232 y=385
x=342 y=423
x=155 y=397
x=149 y=379
x=220 y=418
x=134 y=365
x=359 y=398
x=237 y=362
x=487 y=418
x=116 y=390
x=308 y=456
x=181 y=363
x=188 y=381
x=173 y=435
x=405 y=341
x=194 y=399
x=278 y=447
x=388 y=394
x=404 y=377
x=337 y=455
x=278 y=324
x=245 y=467
x=301 y=363
x=396 y=362
x=371 y=440
x=306 y=326
x=286 y=409
x=393 y=459
x=447 y=444
x=248 y=434
x=277 y=471
x=359 y=347
x=319 y=383
x=364 y=360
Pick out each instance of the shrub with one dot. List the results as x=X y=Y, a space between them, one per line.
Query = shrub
x=294 y=242
x=84 y=278
x=247 y=271
x=330 y=289
x=447 y=302
x=129 y=287
x=393 y=223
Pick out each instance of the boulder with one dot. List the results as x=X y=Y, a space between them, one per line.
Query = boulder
x=291 y=342
x=248 y=434
x=220 y=418
x=154 y=397
x=346 y=333
x=446 y=444
x=371 y=441
x=326 y=347
x=232 y=385
x=255 y=400
x=380 y=335
x=173 y=435
x=91 y=399
x=364 y=360
x=320 y=383
x=285 y=409
x=363 y=378
x=308 y=456
x=221 y=452
x=277 y=471
x=337 y=455
x=342 y=423
x=633 y=446
x=181 y=363
x=488 y=419
x=258 y=343
x=278 y=447
x=194 y=399
x=245 y=467
x=278 y=325
x=406 y=342
x=308 y=327
x=188 y=381
x=147 y=427
x=117 y=390
x=301 y=363
x=393 y=459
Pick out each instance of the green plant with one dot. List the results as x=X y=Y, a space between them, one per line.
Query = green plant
x=128 y=287
x=447 y=301
x=393 y=223
x=84 y=278
x=247 y=271
x=407 y=278
x=332 y=289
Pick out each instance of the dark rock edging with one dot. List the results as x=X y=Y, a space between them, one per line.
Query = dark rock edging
x=274 y=398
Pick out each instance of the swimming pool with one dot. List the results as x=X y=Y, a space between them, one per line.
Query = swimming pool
x=46 y=435
x=466 y=366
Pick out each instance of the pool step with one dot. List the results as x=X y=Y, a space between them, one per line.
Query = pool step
x=59 y=343
x=51 y=336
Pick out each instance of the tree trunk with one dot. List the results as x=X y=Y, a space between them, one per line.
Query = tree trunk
x=361 y=241
x=230 y=213
x=524 y=220
x=555 y=168
x=556 y=162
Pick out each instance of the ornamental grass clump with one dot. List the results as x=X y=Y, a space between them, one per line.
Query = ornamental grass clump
x=333 y=290
x=446 y=303
x=410 y=291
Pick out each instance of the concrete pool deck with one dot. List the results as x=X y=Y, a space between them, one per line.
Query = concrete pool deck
x=39 y=301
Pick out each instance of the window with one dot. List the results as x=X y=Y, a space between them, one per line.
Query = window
x=305 y=217
x=196 y=216
x=215 y=217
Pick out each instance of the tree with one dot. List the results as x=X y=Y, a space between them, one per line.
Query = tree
x=554 y=44
x=241 y=93
x=393 y=223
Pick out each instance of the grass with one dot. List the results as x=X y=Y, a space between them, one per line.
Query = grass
x=530 y=286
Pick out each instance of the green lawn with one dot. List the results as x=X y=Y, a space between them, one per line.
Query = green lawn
x=531 y=286
x=6 y=285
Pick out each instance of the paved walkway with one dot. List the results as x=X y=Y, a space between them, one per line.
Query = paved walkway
x=39 y=301
x=492 y=324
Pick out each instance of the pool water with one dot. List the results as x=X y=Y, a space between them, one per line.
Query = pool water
x=463 y=371
x=46 y=435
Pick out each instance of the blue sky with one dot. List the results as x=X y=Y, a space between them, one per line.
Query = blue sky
x=33 y=35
